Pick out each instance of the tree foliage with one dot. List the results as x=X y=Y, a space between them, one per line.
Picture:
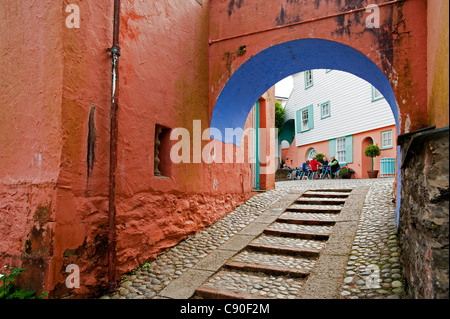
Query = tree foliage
x=279 y=116
x=372 y=151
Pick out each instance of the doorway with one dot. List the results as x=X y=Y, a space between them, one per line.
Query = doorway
x=366 y=162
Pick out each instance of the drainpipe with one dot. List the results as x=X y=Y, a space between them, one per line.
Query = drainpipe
x=115 y=54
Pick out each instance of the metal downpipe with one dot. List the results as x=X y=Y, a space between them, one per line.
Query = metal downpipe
x=115 y=54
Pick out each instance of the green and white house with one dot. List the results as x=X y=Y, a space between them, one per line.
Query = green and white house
x=338 y=114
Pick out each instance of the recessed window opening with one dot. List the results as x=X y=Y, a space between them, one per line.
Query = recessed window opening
x=162 y=163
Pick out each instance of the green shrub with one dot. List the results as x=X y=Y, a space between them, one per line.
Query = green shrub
x=372 y=151
x=320 y=157
x=8 y=290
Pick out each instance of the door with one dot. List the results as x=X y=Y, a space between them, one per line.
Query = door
x=366 y=162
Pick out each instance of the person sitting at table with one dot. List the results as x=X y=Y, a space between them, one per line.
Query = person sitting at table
x=314 y=166
x=334 y=165
x=304 y=169
x=324 y=165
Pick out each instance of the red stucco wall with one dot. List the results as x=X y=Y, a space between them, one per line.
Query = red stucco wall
x=55 y=89
x=54 y=79
x=397 y=47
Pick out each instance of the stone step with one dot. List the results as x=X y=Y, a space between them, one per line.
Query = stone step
x=314 y=208
x=307 y=218
x=292 y=234
x=320 y=201
x=325 y=194
x=330 y=190
x=235 y=284
x=273 y=263
x=299 y=231
x=269 y=270
x=304 y=252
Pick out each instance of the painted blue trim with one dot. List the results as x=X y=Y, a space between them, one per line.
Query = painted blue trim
x=273 y=64
x=257 y=145
x=399 y=184
x=349 y=149
x=310 y=119
x=265 y=69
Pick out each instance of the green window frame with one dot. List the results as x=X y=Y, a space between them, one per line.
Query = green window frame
x=388 y=138
x=376 y=95
x=321 y=110
x=300 y=117
x=328 y=70
x=311 y=153
x=342 y=147
x=309 y=79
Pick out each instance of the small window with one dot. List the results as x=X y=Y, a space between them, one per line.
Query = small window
x=328 y=70
x=161 y=158
x=305 y=120
x=340 y=150
x=311 y=154
x=285 y=144
x=325 y=110
x=386 y=139
x=308 y=79
x=376 y=95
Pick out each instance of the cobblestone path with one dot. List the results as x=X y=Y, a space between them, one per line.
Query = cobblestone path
x=304 y=239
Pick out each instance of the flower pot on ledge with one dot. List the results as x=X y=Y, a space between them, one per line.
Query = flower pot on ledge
x=372 y=173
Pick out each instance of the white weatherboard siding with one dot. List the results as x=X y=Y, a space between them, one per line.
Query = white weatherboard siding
x=351 y=107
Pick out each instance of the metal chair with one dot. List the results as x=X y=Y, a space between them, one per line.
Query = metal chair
x=326 y=171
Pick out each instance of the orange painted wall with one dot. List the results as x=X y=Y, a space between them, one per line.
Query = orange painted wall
x=55 y=89
x=438 y=57
x=398 y=47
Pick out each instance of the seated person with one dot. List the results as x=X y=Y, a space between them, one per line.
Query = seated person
x=334 y=164
x=314 y=165
x=324 y=164
x=305 y=168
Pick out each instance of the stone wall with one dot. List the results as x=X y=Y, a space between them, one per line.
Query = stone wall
x=424 y=212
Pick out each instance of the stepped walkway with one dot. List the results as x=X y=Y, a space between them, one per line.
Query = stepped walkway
x=304 y=240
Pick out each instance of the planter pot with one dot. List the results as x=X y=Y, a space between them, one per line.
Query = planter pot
x=347 y=176
x=372 y=174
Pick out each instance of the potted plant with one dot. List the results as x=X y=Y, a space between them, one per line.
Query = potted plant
x=372 y=151
x=346 y=172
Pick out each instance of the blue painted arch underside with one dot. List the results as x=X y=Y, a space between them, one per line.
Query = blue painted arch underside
x=275 y=63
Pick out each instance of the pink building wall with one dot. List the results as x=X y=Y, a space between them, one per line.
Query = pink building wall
x=298 y=154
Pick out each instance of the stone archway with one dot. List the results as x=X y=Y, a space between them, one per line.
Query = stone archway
x=263 y=70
